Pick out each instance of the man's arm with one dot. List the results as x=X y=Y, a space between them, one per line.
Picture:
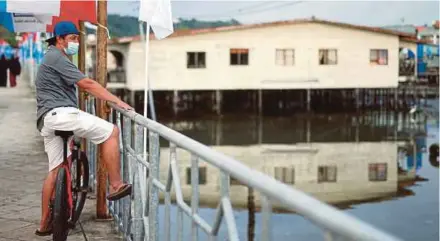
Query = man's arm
x=71 y=75
x=95 y=89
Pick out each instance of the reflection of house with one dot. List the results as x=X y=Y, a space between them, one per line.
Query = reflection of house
x=332 y=172
x=297 y=54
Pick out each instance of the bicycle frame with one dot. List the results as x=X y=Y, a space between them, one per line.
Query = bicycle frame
x=67 y=164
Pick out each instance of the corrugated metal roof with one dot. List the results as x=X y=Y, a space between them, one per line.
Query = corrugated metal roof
x=410 y=29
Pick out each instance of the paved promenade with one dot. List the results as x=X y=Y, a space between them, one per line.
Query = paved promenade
x=23 y=166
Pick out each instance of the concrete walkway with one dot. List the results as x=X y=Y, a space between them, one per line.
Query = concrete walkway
x=23 y=166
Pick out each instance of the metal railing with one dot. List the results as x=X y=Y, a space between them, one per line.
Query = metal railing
x=137 y=218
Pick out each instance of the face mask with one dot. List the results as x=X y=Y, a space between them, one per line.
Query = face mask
x=72 y=48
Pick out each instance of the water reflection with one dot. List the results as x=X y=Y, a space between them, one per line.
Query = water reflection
x=340 y=159
x=365 y=164
x=251 y=130
x=338 y=173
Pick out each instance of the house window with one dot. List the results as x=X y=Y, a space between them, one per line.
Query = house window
x=202 y=175
x=234 y=182
x=377 y=172
x=379 y=56
x=239 y=56
x=327 y=174
x=328 y=56
x=285 y=174
x=195 y=60
x=285 y=57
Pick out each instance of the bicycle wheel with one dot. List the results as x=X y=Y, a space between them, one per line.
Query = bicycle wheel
x=60 y=208
x=80 y=184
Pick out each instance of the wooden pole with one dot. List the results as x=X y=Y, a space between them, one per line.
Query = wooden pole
x=101 y=77
x=251 y=214
x=82 y=68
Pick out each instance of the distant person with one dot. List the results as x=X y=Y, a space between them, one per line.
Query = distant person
x=3 y=74
x=433 y=155
x=14 y=70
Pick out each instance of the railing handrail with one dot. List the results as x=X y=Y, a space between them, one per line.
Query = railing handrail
x=316 y=211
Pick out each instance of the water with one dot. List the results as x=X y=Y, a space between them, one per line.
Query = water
x=406 y=208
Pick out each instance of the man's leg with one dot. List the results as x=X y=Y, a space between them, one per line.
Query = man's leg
x=48 y=187
x=111 y=158
x=53 y=146
x=106 y=134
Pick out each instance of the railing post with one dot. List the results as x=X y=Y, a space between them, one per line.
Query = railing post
x=137 y=207
x=266 y=211
x=194 y=194
x=169 y=184
x=153 y=201
x=126 y=129
x=227 y=207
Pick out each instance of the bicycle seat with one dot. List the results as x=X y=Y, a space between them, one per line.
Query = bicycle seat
x=64 y=134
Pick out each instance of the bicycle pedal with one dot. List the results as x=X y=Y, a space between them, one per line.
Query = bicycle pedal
x=85 y=190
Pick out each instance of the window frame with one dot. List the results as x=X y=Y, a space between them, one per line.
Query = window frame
x=377 y=60
x=238 y=53
x=196 y=60
x=203 y=175
x=326 y=54
x=373 y=172
x=284 y=57
x=325 y=177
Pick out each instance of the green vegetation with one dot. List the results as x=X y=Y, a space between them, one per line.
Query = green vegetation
x=195 y=24
x=122 y=26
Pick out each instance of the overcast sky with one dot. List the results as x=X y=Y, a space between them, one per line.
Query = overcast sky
x=356 y=12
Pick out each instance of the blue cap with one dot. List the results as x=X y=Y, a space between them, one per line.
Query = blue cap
x=64 y=28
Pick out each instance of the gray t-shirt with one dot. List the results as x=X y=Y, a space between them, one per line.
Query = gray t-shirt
x=55 y=83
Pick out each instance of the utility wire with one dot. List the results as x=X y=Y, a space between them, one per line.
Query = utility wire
x=244 y=11
x=239 y=10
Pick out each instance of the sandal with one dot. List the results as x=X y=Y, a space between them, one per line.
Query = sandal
x=123 y=191
x=43 y=233
x=47 y=232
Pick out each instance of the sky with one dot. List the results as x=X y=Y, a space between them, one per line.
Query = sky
x=371 y=13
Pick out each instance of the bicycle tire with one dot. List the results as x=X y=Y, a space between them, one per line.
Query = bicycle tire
x=80 y=193
x=60 y=208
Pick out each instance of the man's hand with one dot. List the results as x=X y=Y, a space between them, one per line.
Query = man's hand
x=102 y=93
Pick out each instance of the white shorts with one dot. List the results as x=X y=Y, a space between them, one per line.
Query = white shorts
x=82 y=124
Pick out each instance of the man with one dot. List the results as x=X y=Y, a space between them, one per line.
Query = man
x=57 y=110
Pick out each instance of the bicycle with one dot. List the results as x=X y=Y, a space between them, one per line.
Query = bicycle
x=70 y=190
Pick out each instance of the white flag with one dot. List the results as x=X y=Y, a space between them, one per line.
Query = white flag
x=46 y=7
x=157 y=13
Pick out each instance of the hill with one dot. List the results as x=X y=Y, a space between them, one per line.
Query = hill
x=122 y=26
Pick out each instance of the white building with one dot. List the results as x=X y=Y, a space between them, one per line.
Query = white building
x=297 y=54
